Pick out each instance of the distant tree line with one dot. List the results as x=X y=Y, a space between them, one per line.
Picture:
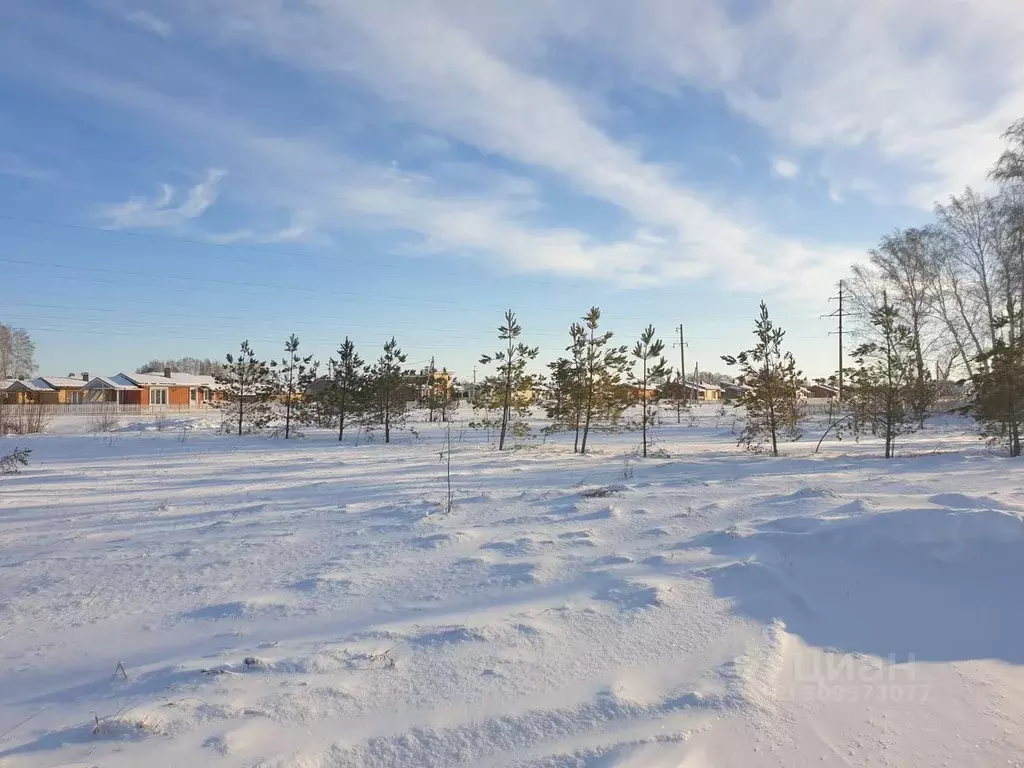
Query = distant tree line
x=372 y=397
x=194 y=365
x=939 y=309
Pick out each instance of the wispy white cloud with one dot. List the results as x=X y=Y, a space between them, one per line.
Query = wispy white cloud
x=453 y=80
x=480 y=80
x=921 y=91
x=785 y=168
x=150 y=22
x=495 y=222
x=301 y=229
x=160 y=211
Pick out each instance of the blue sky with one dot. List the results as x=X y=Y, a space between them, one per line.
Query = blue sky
x=178 y=175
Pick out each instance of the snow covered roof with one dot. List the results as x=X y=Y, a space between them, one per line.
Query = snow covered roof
x=5 y=383
x=63 y=382
x=175 y=379
x=31 y=385
x=110 y=382
x=703 y=386
x=194 y=379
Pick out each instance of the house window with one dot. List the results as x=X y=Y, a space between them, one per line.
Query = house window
x=193 y=395
x=158 y=396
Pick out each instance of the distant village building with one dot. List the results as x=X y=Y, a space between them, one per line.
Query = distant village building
x=150 y=390
x=45 y=390
x=822 y=391
x=697 y=392
x=732 y=392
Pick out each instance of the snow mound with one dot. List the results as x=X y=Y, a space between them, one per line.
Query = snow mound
x=935 y=584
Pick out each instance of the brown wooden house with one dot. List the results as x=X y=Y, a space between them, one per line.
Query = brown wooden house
x=151 y=390
x=46 y=390
x=25 y=391
x=822 y=391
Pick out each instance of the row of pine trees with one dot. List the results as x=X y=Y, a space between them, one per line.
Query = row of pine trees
x=587 y=391
x=291 y=393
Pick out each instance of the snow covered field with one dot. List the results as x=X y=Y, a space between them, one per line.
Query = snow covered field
x=310 y=605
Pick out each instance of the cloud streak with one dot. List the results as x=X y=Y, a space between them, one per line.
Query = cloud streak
x=300 y=230
x=917 y=94
x=886 y=100
x=148 y=21
x=160 y=212
x=443 y=76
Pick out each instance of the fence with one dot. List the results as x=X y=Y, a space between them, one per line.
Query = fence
x=816 y=406
x=99 y=409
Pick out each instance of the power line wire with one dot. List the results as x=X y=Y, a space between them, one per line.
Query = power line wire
x=254 y=249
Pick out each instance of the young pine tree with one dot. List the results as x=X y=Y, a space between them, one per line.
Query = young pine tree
x=998 y=402
x=388 y=388
x=772 y=402
x=249 y=387
x=507 y=390
x=562 y=399
x=603 y=396
x=565 y=392
x=348 y=385
x=295 y=375
x=653 y=369
x=886 y=392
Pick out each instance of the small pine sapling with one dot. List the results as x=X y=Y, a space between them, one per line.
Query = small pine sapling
x=653 y=369
x=772 y=399
x=886 y=392
x=249 y=386
x=389 y=390
x=604 y=397
x=296 y=374
x=511 y=390
x=349 y=389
